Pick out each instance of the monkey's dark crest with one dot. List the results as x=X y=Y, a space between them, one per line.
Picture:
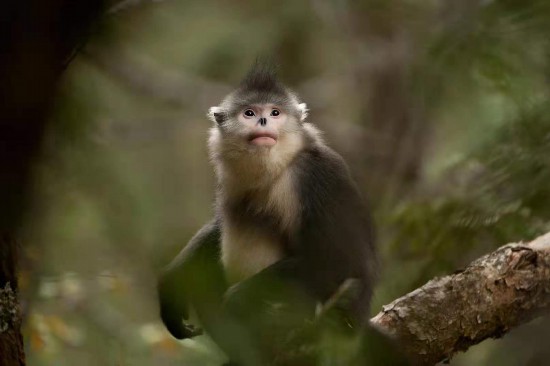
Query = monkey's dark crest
x=262 y=78
x=260 y=86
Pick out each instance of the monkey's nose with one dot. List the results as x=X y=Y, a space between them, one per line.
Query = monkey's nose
x=262 y=121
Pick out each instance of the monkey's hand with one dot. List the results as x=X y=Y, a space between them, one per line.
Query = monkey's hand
x=174 y=308
x=195 y=276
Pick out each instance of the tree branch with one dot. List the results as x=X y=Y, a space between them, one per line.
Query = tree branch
x=143 y=76
x=495 y=293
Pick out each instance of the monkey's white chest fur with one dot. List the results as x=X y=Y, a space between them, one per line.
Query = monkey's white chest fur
x=246 y=251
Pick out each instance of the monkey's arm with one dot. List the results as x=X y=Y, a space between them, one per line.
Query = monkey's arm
x=194 y=276
x=336 y=240
x=266 y=286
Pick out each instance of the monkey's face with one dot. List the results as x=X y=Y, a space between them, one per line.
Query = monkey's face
x=258 y=127
x=262 y=124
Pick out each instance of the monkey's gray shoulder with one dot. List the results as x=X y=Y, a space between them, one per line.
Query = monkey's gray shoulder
x=204 y=243
x=183 y=281
x=324 y=181
x=336 y=234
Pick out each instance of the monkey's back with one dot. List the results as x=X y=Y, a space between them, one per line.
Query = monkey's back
x=335 y=238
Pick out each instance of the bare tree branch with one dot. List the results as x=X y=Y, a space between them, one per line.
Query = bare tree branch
x=495 y=293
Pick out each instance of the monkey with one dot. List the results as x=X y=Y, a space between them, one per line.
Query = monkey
x=289 y=220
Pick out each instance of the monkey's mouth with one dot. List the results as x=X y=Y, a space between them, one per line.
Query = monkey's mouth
x=262 y=139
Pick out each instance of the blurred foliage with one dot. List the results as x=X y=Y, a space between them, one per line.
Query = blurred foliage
x=453 y=93
x=497 y=194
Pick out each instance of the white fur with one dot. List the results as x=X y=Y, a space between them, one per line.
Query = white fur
x=314 y=133
x=240 y=169
x=246 y=251
x=263 y=172
x=282 y=199
x=302 y=107
x=212 y=111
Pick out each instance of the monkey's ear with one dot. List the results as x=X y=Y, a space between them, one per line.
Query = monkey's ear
x=216 y=114
x=302 y=107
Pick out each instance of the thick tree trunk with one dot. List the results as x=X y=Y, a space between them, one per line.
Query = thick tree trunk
x=495 y=293
x=37 y=38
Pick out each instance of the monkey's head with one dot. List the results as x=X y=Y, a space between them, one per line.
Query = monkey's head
x=261 y=118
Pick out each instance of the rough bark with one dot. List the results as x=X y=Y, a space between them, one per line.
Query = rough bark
x=495 y=293
x=11 y=341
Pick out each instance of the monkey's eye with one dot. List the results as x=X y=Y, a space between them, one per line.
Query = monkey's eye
x=249 y=113
x=275 y=112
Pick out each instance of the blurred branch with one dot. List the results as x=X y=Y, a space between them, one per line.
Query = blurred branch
x=495 y=293
x=395 y=115
x=148 y=79
x=127 y=4
x=114 y=10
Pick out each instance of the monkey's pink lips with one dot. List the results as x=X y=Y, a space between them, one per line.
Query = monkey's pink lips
x=263 y=139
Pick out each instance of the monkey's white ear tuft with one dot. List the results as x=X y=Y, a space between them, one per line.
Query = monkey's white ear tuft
x=211 y=112
x=216 y=114
x=302 y=107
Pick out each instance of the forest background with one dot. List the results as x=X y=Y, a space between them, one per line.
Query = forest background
x=440 y=108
